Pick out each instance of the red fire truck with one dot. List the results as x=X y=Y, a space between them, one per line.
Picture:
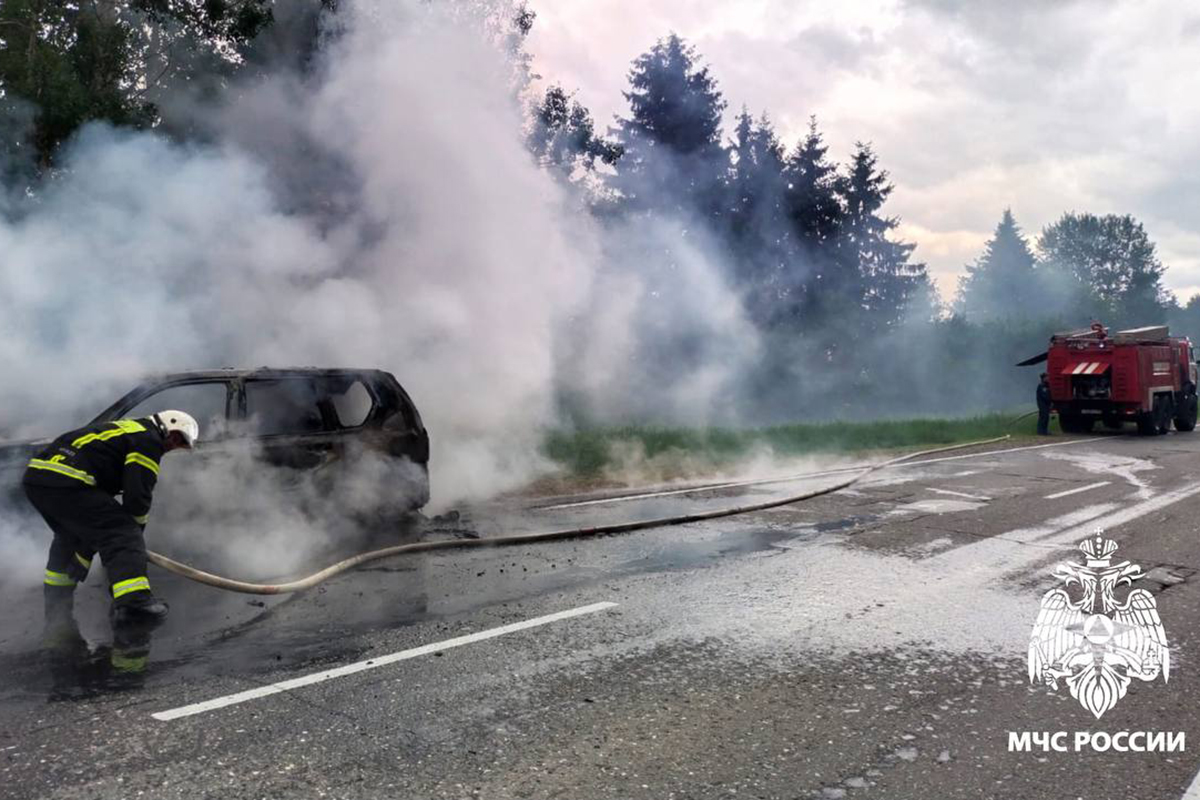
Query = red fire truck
x=1142 y=375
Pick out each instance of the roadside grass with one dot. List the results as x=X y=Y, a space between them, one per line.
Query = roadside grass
x=590 y=452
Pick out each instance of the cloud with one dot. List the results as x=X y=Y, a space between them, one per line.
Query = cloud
x=1041 y=106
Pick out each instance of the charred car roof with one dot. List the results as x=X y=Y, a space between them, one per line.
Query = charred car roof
x=226 y=373
x=390 y=395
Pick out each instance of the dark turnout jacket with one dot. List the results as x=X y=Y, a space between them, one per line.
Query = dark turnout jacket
x=1043 y=397
x=118 y=457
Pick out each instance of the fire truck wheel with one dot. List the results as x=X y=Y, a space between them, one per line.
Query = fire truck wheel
x=1186 y=418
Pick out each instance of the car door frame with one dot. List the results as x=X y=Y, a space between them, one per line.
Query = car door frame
x=311 y=450
x=121 y=408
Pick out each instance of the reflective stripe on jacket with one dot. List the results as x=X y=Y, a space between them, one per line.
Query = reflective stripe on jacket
x=119 y=457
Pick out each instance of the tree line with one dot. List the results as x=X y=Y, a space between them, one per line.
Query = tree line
x=849 y=314
x=850 y=320
x=809 y=235
x=806 y=241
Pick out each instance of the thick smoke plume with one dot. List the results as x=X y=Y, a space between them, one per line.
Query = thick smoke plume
x=384 y=213
x=380 y=210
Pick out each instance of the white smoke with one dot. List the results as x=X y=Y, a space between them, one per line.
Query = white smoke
x=224 y=511
x=383 y=212
x=454 y=271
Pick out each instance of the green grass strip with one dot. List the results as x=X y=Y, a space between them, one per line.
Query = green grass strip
x=589 y=451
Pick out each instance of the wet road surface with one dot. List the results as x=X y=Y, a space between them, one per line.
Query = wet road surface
x=869 y=643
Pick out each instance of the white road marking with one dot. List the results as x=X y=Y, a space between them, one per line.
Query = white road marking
x=1130 y=513
x=1072 y=519
x=1087 y=488
x=1193 y=790
x=1009 y=554
x=1106 y=465
x=708 y=487
x=1002 y=551
x=994 y=552
x=978 y=497
x=373 y=663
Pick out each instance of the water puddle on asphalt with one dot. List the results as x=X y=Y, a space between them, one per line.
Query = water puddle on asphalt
x=682 y=555
x=842 y=524
x=69 y=668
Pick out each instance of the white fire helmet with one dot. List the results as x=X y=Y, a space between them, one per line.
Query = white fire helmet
x=180 y=421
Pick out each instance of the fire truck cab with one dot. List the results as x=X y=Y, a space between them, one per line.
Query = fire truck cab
x=1142 y=375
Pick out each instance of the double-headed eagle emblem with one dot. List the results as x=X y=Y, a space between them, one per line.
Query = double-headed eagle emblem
x=1096 y=644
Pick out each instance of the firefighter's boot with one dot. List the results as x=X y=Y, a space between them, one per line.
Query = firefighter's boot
x=130 y=650
x=138 y=610
x=58 y=602
x=59 y=630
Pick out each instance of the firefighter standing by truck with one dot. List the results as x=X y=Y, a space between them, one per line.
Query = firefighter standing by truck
x=73 y=484
x=1043 y=405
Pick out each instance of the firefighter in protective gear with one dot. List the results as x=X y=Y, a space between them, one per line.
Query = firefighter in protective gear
x=73 y=484
x=1043 y=405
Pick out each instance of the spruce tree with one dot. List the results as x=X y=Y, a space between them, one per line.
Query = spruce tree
x=757 y=218
x=814 y=214
x=874 y=280
x=1004 y=281
x=673 y=156
x=756 y=182
x=812 y=200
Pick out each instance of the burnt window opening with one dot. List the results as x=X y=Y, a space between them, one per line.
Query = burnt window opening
x=281 y=407
x=207 y=402
x=305 y=406
x=352 y=404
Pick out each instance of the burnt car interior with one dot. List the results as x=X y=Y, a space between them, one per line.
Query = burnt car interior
x=276 y=406
x=292 y=406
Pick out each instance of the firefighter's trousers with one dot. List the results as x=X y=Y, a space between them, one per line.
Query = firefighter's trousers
x=86 y=521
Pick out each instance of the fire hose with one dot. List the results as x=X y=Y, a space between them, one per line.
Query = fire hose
x=1023 y=416
x=323 y=575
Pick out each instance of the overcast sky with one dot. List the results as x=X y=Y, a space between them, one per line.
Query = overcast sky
x=1043 y=107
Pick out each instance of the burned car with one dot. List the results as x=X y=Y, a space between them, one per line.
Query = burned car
x=299 y=420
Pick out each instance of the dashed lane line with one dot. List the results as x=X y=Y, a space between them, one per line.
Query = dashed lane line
x=374 y=663
x=978 y=497
x=1069 y=492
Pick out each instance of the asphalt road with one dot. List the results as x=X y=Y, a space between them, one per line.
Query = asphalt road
x=870 y=643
